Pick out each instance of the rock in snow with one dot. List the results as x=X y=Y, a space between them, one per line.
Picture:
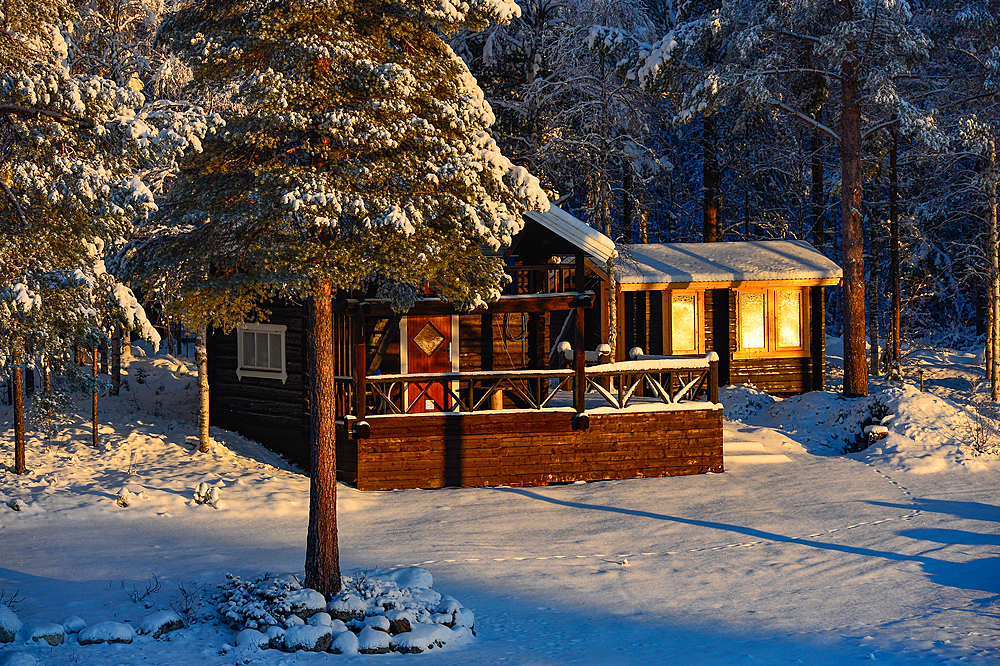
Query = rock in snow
x=252 y=640
x=373 y=641
x=348 y=606
x=107 y=632
x=345 y=643
x=313 y=638
x=9 y=624
x=306 y=602
x=50 y=632
x=160 y=623
x=72 y=624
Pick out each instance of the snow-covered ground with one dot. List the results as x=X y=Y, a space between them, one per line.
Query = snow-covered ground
x=796 y=554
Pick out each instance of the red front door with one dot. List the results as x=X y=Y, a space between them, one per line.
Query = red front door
x=428 y=349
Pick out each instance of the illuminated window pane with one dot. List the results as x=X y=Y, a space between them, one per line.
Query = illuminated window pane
x=787 y=318
x=683 y=323
x=752 y=321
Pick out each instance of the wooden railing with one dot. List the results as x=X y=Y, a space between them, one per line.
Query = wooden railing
x=668 y=381
x=541 y=279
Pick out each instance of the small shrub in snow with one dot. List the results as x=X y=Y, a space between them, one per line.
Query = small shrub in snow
x=160 y=623
x=9 y=624
x=107 y=632
x=743 y=401
x=16 y=505
x=206 y=494
x=124 y=497
x=257 y=603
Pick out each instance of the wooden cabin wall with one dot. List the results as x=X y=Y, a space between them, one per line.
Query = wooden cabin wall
x=265 y=410
x=504 y=341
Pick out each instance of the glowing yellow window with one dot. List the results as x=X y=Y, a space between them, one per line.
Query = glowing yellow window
x=788 y=318
x=684 y=323
x=753 y=317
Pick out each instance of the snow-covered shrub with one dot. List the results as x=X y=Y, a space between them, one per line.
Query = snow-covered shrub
x=9 y=624
x=743 y=401
x=123 y=497
x=257 y=603
x=206 y=494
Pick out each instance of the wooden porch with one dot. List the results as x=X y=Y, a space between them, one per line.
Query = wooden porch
x=656 y=417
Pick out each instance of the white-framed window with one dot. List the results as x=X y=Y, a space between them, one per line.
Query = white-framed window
x=771 y=321
x=261 y=351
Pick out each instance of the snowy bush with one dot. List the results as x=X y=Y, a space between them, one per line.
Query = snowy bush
x=257 y=603
x=743 y=401
x=206 y=494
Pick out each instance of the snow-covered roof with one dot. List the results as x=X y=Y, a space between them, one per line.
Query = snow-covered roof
x=741 y=261
x=588 y=239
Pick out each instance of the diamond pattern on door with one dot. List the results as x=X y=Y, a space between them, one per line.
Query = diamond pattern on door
x=428 y=339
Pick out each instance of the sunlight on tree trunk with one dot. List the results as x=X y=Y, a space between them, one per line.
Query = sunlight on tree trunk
x=93 y=356
x=322 y=549
x=201 y=358
x=17 y=374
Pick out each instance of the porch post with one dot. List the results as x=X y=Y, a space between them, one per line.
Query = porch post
x=579 y=361
x=360 y=361
x=713 y=381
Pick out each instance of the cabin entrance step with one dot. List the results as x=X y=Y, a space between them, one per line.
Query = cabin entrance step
x=741 y=447
x=757 y=458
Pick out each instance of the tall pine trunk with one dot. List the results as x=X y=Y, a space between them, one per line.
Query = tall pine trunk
x=20 y=464
x=322 y=550
x=712 y=180
x=818 y=193
x=991 y=221
x=874 y=364
x=855 y=368
x=93 y=357
x=116 y=360
x=895 y=343
x=201 y=358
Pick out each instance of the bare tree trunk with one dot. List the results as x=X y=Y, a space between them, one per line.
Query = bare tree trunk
x=712 y=179
x=116 y=361
x=47 y=391
x=612 y=309
x=818 y=193
x=874 y=366
x=322 y=549
x=855 y=368
x=895 y=344
x=201 y=358
x=991 y=221
x=94 y=396
x=17 y=374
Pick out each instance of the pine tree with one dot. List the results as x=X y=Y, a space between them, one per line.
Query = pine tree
x=357 y=153
x=72 y=151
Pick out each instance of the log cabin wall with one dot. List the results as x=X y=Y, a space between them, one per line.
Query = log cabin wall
x=530 y=448
x=643 y=327
x=264 y=409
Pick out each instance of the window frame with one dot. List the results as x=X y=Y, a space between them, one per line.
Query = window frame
x=256 y=371
x=668 y=321
x=771 y=348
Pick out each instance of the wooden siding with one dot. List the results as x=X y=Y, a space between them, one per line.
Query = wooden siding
x=264 y=409
x=530 y=448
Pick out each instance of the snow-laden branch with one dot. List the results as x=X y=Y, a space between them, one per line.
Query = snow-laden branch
x=812 y=122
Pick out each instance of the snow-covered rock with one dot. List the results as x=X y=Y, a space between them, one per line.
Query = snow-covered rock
x=420 y=638
x=72 y=624
x=252 y=640
x=107 y=632
x=160 y=623
x=399 y=620
x=348 y=606
x=9 y=624
x=306 y=602
x=373 y=641
x=322 y=618
x=344 y=643
x=276 y=637
x=313 y=638
x=50 y=632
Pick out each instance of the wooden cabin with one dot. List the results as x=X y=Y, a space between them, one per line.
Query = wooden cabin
x=434 y=397
x=758 y=305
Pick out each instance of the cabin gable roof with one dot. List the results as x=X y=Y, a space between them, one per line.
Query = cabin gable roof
x=576 y=232
x=725 y=262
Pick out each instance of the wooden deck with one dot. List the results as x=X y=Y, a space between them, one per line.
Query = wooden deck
x=531 y=447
